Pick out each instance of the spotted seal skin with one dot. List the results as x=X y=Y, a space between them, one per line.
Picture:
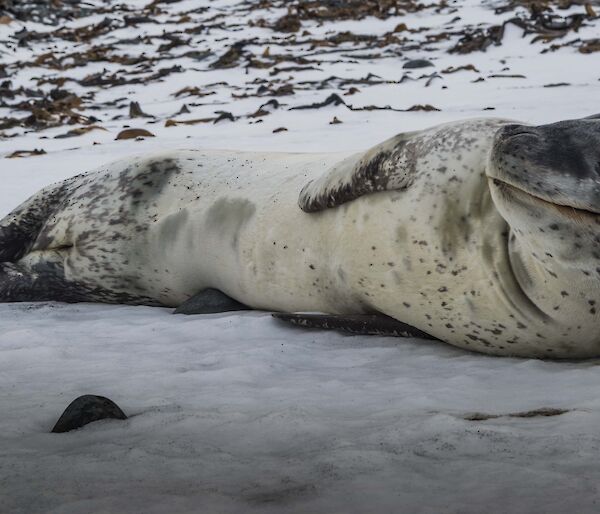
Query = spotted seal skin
x=482 y=233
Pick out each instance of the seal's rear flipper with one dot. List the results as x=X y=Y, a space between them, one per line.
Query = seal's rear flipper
x=210 y=301
x=16 y=283
x=364 y=324
x=40 y=283
x=20 y=229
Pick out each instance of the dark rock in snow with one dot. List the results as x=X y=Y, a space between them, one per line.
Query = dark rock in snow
x=209 y=301
x=86 y=409
x=416 y=63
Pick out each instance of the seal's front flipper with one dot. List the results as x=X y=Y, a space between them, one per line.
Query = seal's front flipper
x=364 y=324
x=210 y=301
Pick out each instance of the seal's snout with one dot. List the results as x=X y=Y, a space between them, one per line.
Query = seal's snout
x=558 y=162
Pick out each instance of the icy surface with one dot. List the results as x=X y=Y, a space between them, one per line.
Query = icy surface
x=238 y=413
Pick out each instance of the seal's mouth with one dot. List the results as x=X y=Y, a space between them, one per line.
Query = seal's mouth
x=564 y=209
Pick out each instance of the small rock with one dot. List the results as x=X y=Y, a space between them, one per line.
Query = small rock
x=223 y=115
x=26 y=153
x=134 y=133
x=416 y=63
x=79 y=131
x=335 y=121
x=288 y=23
x=280 y=129
x=419 y=107
x=209 y=301
x=86 y=409
x=135 y=111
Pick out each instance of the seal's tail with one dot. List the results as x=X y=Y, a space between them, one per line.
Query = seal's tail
x=19 y=230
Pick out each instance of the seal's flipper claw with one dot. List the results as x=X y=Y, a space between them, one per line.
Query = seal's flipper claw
x=210 y=301
x=364 y=324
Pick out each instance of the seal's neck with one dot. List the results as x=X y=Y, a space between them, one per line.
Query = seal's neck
x=562 y=288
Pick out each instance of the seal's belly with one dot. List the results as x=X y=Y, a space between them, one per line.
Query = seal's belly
x=166 y=227
x=243 y=233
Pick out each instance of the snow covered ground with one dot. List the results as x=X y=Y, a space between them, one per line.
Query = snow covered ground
x=238 y=413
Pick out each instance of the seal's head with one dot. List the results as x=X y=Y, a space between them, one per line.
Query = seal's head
x=550 y=173
x=545 y=182
x=557 y=164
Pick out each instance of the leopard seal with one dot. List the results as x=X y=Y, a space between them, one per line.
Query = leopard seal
x=483 y=233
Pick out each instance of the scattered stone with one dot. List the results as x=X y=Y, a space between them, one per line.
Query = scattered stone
x=478 y=39
x=86 y=409
x=79 y=131
x=193 y=91
x=419 y=107
x=223 y=115
x=230 y=58
x=502 y=76
x=332 y=99
x=270 y=105
x=334 y=10
x=286 y=89
x=135 y=111
x=259 y=113
x=466 y=67
x=416 y=63
x=134 y=133
x=335 y=121
x=589 y=46
x=209 y=301
x=174 y=123
x=288 y=23
x=26 y=153
x=280 y=129
x=298 y=50
x=589 y=10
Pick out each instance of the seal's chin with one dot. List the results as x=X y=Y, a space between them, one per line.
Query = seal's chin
x=516 y=194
